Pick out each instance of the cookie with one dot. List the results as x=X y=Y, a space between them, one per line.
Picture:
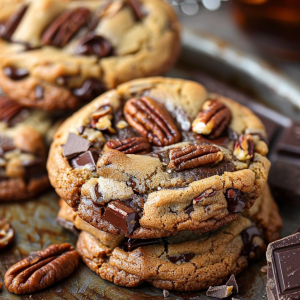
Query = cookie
x=131 y=163
x=60 y=54
x=23 y=151
x=187 y=261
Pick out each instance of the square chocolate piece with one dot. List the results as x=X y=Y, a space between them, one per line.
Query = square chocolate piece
x=284 y=268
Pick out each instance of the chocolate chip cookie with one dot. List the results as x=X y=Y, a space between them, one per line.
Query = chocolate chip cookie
x=186 y=261
x=135 y=161
x=22 y=151
x=59 y=54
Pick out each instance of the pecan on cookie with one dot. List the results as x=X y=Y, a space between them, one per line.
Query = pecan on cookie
x=41 y=269
x=56 y=55
x=153 y=176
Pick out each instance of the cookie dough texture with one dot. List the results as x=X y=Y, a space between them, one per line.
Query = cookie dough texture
x=168 y=194
x=217 y=255
x=141 y=48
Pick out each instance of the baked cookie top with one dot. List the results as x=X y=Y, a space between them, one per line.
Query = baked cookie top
x=156 y=156
x=57 y=54
x=23 y=146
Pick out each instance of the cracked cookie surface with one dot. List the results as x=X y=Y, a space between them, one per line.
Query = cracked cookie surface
x=187 y=261
x=79 y=49
x=182 y=180
x=24 y=140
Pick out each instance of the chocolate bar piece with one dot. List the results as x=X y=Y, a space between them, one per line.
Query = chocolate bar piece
x=221 y=292
x=283 y=256
x=75 y=145
x=232 y=282
x=121 y=216
x=87 y=158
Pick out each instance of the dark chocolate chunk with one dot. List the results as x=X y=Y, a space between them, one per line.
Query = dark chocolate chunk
x=67 y=225
x=90 y=89
x=39 y=92
x=75 y=145
x=131 y=244
x=284 y=268
x=121 y=216
x=12 y=23
x=6 y=144
x=137 y=9
x=88 y=158
x=232 y=282
x=98 y=195
x=92 y=44
x=34 y=169
x=250 y=249
x=235 y=201
x=221 y=292
x=81 y=129
x=8 y=109
x=189 y=209
x=183 y=257
x=15 y=73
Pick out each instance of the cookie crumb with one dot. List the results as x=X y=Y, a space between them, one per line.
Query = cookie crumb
x=221 y=292
x=166 y=293
x=264 y=269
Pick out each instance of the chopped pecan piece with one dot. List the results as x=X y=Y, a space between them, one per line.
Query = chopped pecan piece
x=8 y=109
x=244 y=147
x=102 y=119
x=41 y=269
x=190 y=157
x=6 y=233
x=135 y=145
x=151 y=119
x=137 y=9
x=8 y=29
x=65 y=26
x=213 y=119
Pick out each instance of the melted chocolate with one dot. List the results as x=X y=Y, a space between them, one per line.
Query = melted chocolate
x=247 y=237
x=235 y=201
x=90 y=89
x=183 y=257
x=131 y=244
x=15 y=73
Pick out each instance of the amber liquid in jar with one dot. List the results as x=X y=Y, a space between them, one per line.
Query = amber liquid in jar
x=273 y=24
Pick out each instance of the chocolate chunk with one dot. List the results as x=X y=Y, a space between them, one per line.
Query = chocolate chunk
x=6 y=144
x=8 y=109
x=88 y=158
x=232 y=282
x=183 y=257
x=15 y=73
x=131 y=244
x=289 y=143
x=250 y=249
x=189 y=210
x=235 y=201
x=67 y=225
x=121 y=216
x=75 y=145
x=221 y=292
x=12 y=23
x=137 y=9
x=284 y=268
x=39 y=92
x=92 y=44
x=205 y=194
x=34 y=169
x=81 y=129
x=90 y=89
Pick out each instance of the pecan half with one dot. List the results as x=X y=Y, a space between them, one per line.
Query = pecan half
x=6 y=233
x=135 y=145
x=213 y=119
x=152 y=121
x=244 y=147
x=7 y=30
x=8 y=109
x=65 y=26
x=41 y=269
x=190 y=157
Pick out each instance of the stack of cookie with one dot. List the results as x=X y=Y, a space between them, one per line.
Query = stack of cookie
x=167 y=184
x=57 y=55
